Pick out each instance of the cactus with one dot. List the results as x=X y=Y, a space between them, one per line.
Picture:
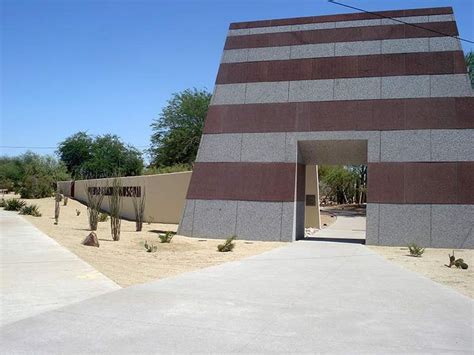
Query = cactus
x=57 y=207
x=459 y=263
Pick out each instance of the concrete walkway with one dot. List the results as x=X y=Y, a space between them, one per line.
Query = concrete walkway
x=305 y=297
x=348 y=225
x=38 y=274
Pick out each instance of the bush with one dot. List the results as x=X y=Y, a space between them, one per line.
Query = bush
x=14 y=204
x=2 y=202
x=150 y=248
x=31 y=210
x=415 y=250
x=166 y=238
x=227 y=246
x=103 y=217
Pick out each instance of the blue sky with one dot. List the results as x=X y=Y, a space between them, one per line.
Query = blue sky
x=110 y=66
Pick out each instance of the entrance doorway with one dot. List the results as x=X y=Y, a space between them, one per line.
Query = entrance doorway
x=335 y=189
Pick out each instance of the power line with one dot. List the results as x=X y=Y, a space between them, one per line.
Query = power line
x=396 y=20
x=24 y=147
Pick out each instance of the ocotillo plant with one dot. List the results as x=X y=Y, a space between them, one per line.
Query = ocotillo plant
x=57 y=199
x=139 y=207
x=115 y=206
x=95 y=196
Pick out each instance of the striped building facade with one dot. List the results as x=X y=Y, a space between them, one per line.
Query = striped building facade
x=339 y=89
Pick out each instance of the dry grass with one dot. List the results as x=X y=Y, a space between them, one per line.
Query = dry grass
x=126 y=261
x=432 y=265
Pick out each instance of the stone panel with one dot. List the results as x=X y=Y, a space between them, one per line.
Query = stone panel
x=357 y=48
x=271 y=29
x=409 y=45
x=372 y=224
x=441 y=18
x=263 y=147
x=228 y=94
x=311 y=90
x=357 y=89
x=287 y=221
x=450 y=85
x=267 y=92
x=402 y=146
x=401 y=224
x=220 y=148
x=452 y=226
x=439 y=44
x=235 y=56
x=358 y=23
x=394 y=87
x=269 y=53
x=452 y=145
x=259 y=220
x=214 y=218
x=319 y=50
x=186 y=225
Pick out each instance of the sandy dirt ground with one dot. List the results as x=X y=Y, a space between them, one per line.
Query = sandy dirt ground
x=126 y=261
x=327 y=219
x=432 y=265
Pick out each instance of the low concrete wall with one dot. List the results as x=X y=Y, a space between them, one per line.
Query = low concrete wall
x=165 y=194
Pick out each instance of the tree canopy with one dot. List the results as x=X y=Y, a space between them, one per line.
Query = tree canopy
x=343 y=184
x=176 y=133
x=87 y=156
x=31 y=175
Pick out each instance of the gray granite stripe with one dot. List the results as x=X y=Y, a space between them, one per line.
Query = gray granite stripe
x=341 y=24
x=341 y=49
x=388 y=87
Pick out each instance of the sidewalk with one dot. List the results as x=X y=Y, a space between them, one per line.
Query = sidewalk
x=40 y=275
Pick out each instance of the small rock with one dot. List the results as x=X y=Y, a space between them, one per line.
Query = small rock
x=91 y=240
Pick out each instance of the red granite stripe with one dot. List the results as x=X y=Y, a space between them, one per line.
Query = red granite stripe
x=272 y=182
x=367 y=33
x=421 y=183
x=356 y=115
x=448 y=62
x=341 y=17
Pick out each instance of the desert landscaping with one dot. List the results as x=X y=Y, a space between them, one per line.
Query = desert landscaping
x=126 y=261
x=432 y=265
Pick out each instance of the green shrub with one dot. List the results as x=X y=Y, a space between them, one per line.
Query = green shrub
x=103 y=217
x=166 y=238
x=415 y=250
x=150 y=248
x=14 y=204
x=227 y=246
x=2 y=202
x=30 y=210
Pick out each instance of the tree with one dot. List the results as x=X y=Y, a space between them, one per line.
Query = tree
x=74 y=151
x=470 y=66
x=87 y=156
x=177 y=132
x=32 y=175
x=343 y=184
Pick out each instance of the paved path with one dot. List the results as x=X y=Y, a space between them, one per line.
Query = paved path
x=38 y=274
x=304 y=297
x=348 y=225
